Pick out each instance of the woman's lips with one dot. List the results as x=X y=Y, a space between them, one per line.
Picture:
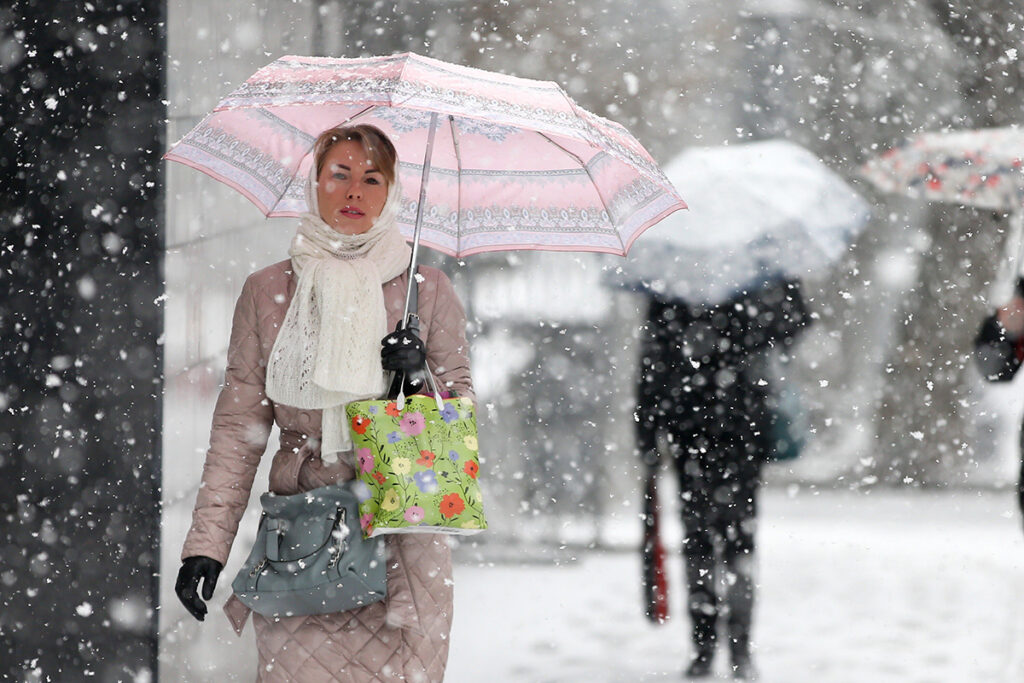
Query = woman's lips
x=350 y=212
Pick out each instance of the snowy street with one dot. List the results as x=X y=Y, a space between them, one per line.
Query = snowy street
x=906 y=587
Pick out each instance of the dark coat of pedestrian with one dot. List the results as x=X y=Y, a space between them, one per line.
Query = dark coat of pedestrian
x=705 y=388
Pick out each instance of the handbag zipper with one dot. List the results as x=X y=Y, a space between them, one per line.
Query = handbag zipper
x=336 y=550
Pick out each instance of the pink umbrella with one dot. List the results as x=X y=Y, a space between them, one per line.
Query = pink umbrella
x=973 y=167
x=489 y=162
x=981 y=168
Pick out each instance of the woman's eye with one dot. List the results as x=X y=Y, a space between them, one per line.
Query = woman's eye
x=372 y=181
x=339 y=176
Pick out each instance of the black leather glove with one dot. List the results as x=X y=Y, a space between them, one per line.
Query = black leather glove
x=402 y=351
x=192 y=570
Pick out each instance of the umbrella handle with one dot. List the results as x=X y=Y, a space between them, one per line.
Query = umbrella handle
x=411 y=322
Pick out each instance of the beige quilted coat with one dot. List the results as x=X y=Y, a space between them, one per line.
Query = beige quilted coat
x=405 y=637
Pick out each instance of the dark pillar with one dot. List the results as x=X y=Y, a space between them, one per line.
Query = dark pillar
x=81 y=232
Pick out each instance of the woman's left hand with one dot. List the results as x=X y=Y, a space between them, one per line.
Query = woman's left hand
x=402 y=351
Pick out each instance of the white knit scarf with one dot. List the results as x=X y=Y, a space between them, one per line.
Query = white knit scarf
x=328 y=350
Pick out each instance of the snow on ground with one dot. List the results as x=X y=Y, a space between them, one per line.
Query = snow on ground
x=885 y=586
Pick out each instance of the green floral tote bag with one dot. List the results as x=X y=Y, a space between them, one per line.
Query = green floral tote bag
x=419 y=458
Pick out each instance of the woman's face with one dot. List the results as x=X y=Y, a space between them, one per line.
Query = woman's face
x=350 y=191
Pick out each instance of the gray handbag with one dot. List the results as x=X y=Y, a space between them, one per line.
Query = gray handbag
x=310 y=556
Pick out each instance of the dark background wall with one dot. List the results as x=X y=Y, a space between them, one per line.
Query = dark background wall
x=81 y=132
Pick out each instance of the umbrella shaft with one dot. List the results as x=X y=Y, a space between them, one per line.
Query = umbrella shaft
x=1017 y=221
x=1004 y=284
x=419 y=214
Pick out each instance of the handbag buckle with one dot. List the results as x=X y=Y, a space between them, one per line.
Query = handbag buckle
x=258 y=568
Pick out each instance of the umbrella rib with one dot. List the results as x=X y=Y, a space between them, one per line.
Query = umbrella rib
x=356 y=116
x=458 y=176
x=401 y=75
x=592 y=182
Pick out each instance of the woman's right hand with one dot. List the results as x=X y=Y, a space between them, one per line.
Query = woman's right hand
x=192 y=570
x=402 y=351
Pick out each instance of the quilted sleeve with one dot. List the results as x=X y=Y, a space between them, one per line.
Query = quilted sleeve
x=241 y=426
x=447 y=347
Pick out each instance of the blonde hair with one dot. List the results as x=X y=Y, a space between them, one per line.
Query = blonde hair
x=378 y=147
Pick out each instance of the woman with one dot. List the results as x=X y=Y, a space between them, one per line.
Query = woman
x=305 y=340
x=999 y=353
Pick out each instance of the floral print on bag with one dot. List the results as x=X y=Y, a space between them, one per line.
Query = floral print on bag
x=411 y=488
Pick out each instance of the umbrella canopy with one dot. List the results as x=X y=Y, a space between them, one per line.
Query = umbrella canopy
x=757 y=211
x=979 y=168
x=488 y=162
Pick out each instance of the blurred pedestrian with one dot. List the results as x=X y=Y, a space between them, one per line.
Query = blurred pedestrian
x=310 y=328
x=704 y=388
x=999 y=351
